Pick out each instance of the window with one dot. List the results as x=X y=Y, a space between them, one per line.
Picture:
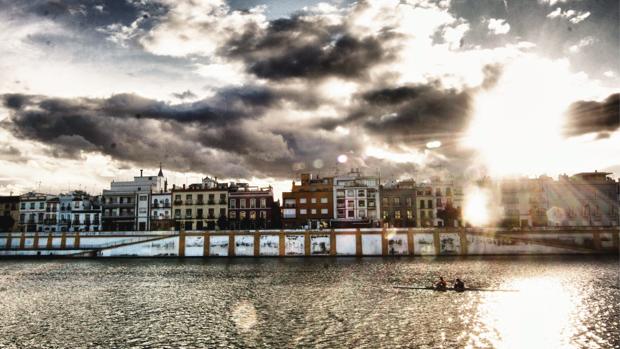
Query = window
x=188 y=197
x=188 y=213
x=409 y=202
x=263 y=203
x=41 y=205
x=350 y=193
x=361 y=193
x=177 y=213
x=430 y=203
x=323 y=200
x=302 y=200
x=200 y=198
x=252 y=215
x=303 y=211
x=211 y=213
x=362 y=214
x=241 y=203
x=409 y=214
x=350 y=214
x=23 y=206
x=232 y=214
x=222 y=198
x=143 y=197
x=177 y=197
x=211 y=199
x=252 y=203
x=199 y=213
x=361 y=203
x=340 y=193
x=422 y=204
x=233 y=203
x=313 y=211
x=324 y=211
x=397 y=214
x=313 y=200
x=448 y=191
x=262 y=214
x=222 y=212
x=438 y=192
x=242 y=215
x=385 y=201
x=438 y=202
x=397 y=201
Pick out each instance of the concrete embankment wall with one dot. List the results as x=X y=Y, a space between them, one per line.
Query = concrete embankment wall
x=339 y=242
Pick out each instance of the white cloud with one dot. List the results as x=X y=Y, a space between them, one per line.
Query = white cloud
x=609 y=74
x=498 y=26
x=551 y=2
x=587 y=41
x=198 y=27
x=572 y=15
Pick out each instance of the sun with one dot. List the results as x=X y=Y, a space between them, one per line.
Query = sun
x=516 y=126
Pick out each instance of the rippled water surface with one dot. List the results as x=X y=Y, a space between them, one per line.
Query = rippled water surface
x=312 y=302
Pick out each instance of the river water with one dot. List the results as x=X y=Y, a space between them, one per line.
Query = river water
x=560 y=302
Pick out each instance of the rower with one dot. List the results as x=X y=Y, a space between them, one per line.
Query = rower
x=459 y=286
x=441 y=285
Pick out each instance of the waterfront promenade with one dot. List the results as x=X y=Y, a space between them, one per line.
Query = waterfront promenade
x=334 y=242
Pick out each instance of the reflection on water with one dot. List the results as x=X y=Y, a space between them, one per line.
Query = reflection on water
x=314 y=302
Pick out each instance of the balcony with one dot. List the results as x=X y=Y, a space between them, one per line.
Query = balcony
x=189 y=202
x=178 y=202
x=155 y=206
x=210 y=216
x=200 y=216
x=211 y=202
x=222 y=202
x=200 y=202
x=119 y=204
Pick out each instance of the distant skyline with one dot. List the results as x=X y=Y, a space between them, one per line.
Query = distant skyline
x=259 y=91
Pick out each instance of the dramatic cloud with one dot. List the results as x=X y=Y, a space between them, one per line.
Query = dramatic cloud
x=594 y=117
x=296 y=48
x=246 y=89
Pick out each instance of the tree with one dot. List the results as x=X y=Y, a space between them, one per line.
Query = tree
x=449 y=215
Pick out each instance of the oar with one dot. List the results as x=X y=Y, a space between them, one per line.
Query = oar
x=452 y=289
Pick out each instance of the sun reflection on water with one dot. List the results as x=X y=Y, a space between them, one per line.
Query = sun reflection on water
x=539 y=315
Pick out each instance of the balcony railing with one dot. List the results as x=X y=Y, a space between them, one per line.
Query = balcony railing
x=210 y=216
x=200 y=202
x=200 y=216
x=189 y=202
x=178 y=202
x=222 y=202
x=211 y=202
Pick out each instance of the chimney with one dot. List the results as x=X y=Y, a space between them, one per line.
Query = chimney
x=183 y=186
x=166 y=185
x=141 y=173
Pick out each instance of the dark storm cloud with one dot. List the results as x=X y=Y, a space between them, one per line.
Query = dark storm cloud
x=594 y=117
x=411 y=115
x=300 y=48
x=227 y=106
x=188 y=137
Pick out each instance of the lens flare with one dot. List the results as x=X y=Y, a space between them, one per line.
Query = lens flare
x=433 y=144
x=476 y=209
x=342 y=158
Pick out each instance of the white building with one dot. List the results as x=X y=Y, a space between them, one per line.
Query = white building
x=32 y=212
x=356 y=200
x=126 y=205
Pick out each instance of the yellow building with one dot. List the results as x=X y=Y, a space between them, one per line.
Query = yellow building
x=201 y=206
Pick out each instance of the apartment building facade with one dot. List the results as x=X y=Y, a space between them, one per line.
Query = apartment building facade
x=201 y=206
x=309 y=204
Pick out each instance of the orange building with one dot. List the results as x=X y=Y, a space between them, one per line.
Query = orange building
x=309 y=204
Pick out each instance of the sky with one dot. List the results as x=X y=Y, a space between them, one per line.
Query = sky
x=248 y=90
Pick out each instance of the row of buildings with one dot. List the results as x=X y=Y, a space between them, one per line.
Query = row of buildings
x=352 y=200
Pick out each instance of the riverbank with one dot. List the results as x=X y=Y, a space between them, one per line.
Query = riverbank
x=338 y=242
